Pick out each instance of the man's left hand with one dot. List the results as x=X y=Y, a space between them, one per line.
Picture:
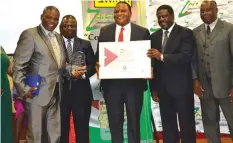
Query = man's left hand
x=154 y=53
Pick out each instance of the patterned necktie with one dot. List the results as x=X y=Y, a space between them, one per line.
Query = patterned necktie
x=165 y=38
x=208 y=29
x=55 y=47
x=121 y=35
x=69 y=49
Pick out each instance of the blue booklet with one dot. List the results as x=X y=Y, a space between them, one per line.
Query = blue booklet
x=34 y=81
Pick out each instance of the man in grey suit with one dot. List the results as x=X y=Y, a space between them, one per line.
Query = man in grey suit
x=118 y=92
x=40 y=51
x=213 y=77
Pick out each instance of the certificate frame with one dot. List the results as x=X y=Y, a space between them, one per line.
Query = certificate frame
x=122 y=60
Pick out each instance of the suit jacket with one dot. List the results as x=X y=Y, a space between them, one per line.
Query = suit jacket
x=34 y=55
x=83 y=86
x=173 y=74
x=221 y=58
x=107 y=34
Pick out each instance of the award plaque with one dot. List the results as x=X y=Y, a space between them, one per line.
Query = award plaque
x=78 y=60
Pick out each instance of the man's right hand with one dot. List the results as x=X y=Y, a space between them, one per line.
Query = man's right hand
x=78 y=72
x=197 y=87
x=29 y=94
x=97 y=66
x=154 y=95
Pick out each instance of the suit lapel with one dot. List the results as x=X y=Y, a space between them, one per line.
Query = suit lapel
x=76 y=45
x=160 y=40
x=219 y=25
x=47 y=42
x=61 y=46
x=112 y=33
x=133 y=34
x=65 y=51
x=202 y=33
x=172 y=35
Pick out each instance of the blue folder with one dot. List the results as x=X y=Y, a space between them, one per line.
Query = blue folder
x=14 y=92
x=34 y=81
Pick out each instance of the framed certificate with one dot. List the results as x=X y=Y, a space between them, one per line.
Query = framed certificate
x=120 y=60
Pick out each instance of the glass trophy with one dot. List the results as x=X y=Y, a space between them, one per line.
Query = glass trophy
x=77 y=61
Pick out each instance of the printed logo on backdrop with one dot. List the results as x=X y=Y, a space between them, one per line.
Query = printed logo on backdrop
x=109 y=3
x=187 y=10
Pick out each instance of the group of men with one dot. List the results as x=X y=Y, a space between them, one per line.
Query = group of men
x=40 y=50
x=184 y=62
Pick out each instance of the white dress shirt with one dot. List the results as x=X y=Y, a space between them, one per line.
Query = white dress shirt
x=71 y=41
x=212 y=25
x=126 y=32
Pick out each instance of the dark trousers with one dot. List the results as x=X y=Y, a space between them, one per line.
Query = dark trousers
x=170 y=107
x=115 y=98
x=81 y=110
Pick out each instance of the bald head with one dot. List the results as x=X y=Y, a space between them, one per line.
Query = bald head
x=50 y=8
x=212 y=2
x=208 y=11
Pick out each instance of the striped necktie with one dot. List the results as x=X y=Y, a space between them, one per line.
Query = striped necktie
x=69 y=48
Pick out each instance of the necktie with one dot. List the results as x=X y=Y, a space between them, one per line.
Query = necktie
x=69 y=49
x=121 y=35
x=208 y=29
x=165 y=38
x=55 y=47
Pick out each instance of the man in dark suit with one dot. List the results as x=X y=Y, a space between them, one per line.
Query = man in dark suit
x=172 y=49
x=118 y=92
x=214 y=72
x=40 y=51
x=77 y=94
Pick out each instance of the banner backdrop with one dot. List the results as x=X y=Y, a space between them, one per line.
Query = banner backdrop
x=97 y=14
x=187 y=14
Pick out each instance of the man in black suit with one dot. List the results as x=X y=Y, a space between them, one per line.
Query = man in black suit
x=172 y=49
x=118 y=92
x=77 y=94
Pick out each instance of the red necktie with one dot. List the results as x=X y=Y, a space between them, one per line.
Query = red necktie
x=121 y=36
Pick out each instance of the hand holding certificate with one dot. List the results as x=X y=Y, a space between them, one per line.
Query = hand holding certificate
x=121 y=60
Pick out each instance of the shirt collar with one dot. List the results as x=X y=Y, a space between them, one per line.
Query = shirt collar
x=66 y=40
x=46 y=31
x=170 y=29
x=212 y=25
x=126 y=27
